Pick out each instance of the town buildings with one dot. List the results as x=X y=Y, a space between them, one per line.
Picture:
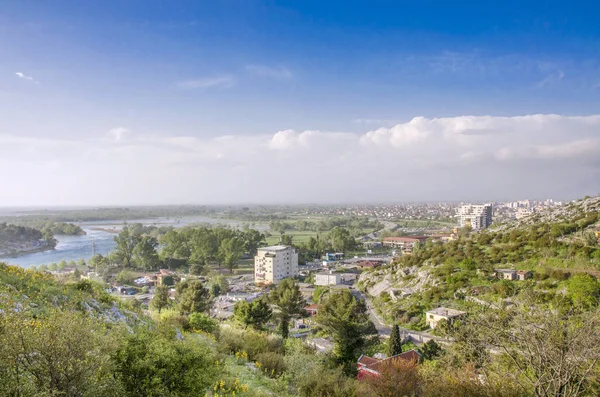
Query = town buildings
x=406 y=244
x=273 y=264
x=433 y=317
x=476 y=216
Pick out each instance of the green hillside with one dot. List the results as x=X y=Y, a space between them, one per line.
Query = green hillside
x=558 y=246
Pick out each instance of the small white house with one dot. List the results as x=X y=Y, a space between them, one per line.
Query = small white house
x=328 y=279
x=433 y=317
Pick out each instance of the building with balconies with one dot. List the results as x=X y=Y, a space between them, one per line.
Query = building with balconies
x=273 y=264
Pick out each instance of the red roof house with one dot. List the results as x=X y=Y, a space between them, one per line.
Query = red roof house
x=370 y=366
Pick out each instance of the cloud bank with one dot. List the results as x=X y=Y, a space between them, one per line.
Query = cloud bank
x=454 y=158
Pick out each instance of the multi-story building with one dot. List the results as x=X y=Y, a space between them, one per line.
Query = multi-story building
x=273 y=264
x=477 y=216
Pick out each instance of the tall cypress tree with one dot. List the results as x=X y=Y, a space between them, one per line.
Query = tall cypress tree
x=395 y=342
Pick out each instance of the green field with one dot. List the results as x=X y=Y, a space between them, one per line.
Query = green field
x=298 y=237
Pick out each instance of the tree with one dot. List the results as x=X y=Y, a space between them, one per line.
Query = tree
x=584 y=291
x=431 y=350
x=341 y=240
x=287 y=239
x=126 y=243
x=161 y=298
x=395 y=342
x=201 y=322
x=345 y=319
x=252 y=240
x=230 y=251
x=192 y=296
x=255 y=314
x=124 y=277
x=175 y=246
x=144 y=253
x=397 y=378
x=60 y=353
x=61 y=265
x=81 y=262
x=152 y=364
x=289 y=302
x=546 y=351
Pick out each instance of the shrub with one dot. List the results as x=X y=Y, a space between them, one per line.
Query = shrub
x=271 y=364
x=175 y=319
x=201 y=322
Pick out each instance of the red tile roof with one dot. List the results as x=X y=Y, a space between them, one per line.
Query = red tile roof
x=375 y=365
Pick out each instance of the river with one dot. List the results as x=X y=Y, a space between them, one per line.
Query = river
x=80 y=247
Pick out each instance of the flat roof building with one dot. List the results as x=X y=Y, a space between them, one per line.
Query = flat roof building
x=273 y=264
x=433 y=317
x=476 y=216
x=328 y=279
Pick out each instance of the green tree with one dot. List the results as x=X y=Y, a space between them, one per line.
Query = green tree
x=255 y=314
x=288 y=301
x=156 y=365
x=201 y=322
x=126 y=243
x=395 y=342
x=230 y=251
x=287 y=239
x=192 y=296
x=584 y=291
x=145 y=255
x=175 y=245
x=124 y=277
x=341 y=240
x=60 y=353
x=161 y=298
x=345 y=319
x=431 y=350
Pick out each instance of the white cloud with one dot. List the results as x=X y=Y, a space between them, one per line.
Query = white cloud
x=277 y=72
x=25 y=77
x=224 y=81
x=118 y=134
x=451 y=158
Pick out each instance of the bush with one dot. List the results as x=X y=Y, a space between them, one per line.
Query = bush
x=271 y=364
x=201 y=322
x=124 y=277
x=175 y=319
x=252 y=342
x=327 y=383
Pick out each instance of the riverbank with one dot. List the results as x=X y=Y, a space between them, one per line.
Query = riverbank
x=16 y=254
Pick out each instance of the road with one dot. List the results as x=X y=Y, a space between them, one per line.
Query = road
x=382 y=328
x=385 y=330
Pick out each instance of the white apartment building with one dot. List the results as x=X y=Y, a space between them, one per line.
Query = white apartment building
x=477 y=216
x=328 y=279
x=273 y=264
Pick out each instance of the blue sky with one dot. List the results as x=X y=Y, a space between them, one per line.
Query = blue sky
x=250 y=69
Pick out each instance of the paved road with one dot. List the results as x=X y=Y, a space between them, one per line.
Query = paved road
x=385 y=330
x=382 y=328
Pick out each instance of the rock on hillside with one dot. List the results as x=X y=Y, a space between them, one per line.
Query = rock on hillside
x=405 y=281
